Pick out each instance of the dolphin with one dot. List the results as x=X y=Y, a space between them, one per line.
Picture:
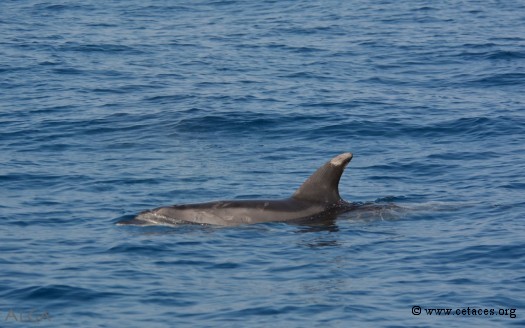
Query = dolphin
x=317 y=198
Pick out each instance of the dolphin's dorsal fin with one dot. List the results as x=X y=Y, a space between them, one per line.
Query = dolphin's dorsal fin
x=323 y=185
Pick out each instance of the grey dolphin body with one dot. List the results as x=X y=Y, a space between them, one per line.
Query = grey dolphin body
x=318 y=197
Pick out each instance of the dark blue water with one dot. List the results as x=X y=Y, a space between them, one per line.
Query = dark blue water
x=108 y=108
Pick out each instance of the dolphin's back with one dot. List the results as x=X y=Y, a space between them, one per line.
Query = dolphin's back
x=318 y=194
x=228 y=213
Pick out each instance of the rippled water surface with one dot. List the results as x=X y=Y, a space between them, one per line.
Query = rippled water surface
x=108 y=108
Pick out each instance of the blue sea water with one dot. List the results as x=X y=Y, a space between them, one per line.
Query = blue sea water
x=108 y=108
